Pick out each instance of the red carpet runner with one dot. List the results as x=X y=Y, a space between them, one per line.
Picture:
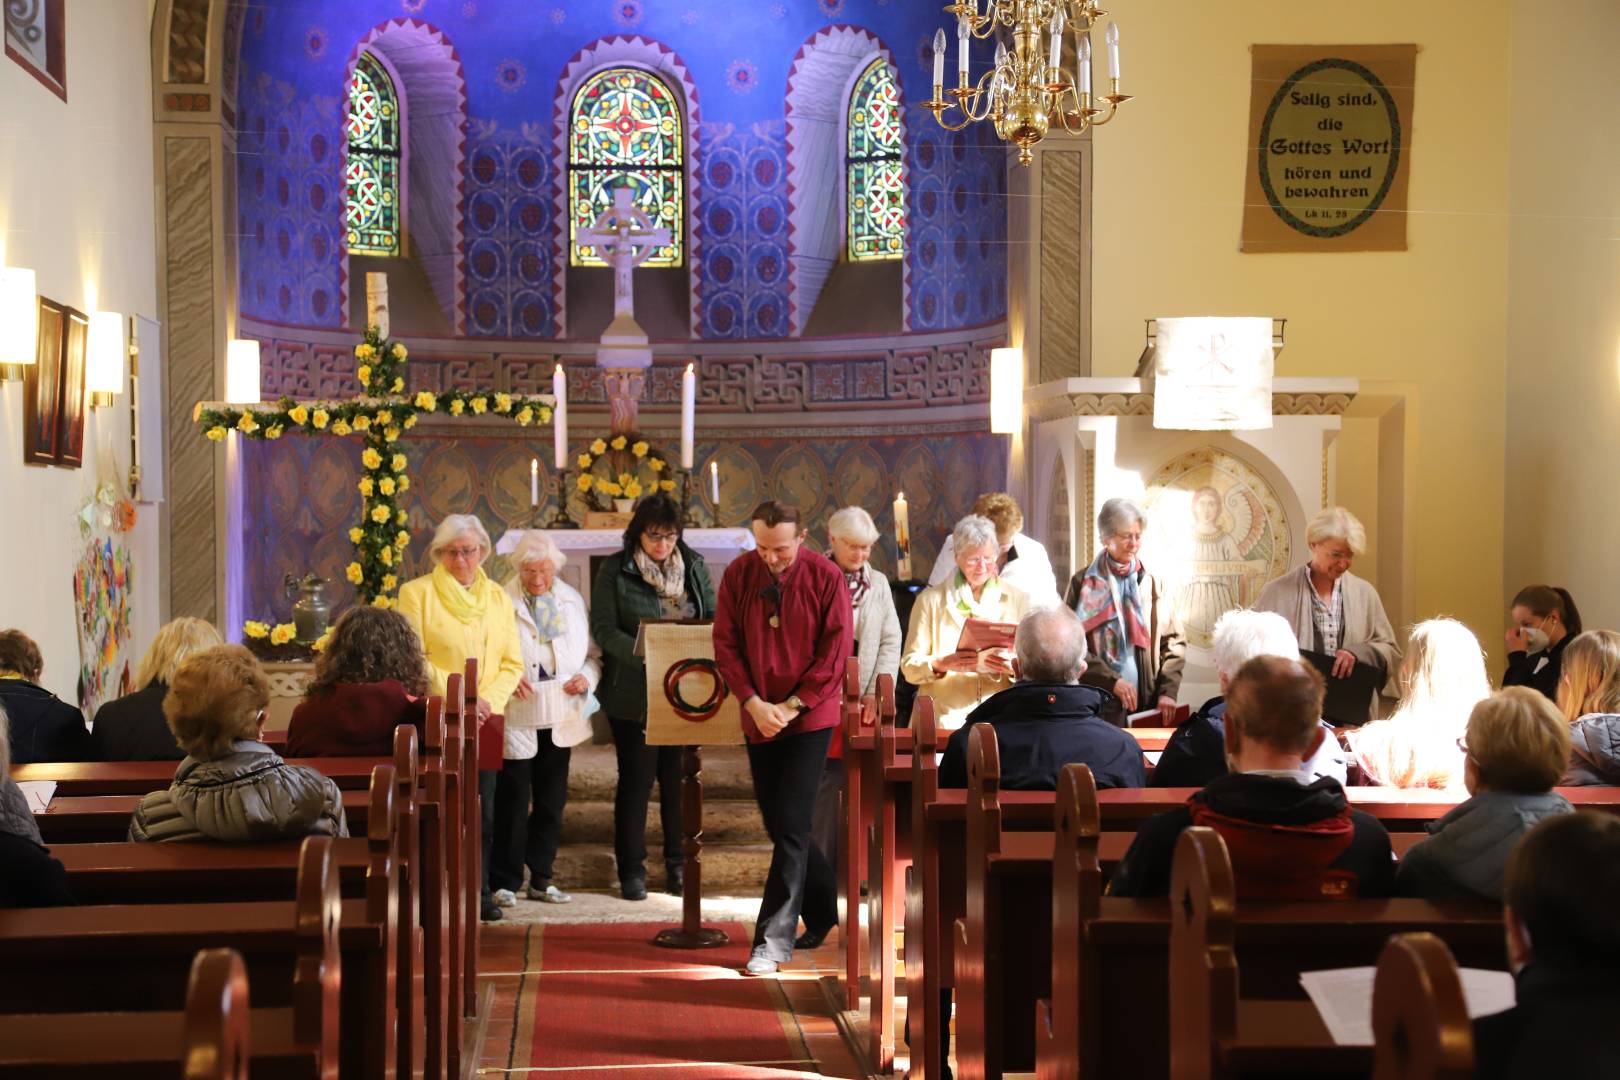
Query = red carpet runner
x=605 y=1001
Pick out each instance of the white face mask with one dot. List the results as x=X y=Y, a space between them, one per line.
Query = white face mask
x=1535 y=639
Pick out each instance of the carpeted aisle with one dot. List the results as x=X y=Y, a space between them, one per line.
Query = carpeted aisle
x=602 y=1000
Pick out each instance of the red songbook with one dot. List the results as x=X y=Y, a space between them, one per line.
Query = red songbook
x=491 y=743
x=981 y=634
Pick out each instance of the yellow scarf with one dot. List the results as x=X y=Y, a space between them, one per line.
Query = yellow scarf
x=469 y=603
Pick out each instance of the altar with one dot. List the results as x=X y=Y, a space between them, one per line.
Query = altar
x=584 y=546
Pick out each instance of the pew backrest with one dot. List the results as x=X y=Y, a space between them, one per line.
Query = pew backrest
x=216 y=1025
x=1421 y=1029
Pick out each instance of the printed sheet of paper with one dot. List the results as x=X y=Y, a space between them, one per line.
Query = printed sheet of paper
x=668 y=644
x=38 y=793
x=1343 y=996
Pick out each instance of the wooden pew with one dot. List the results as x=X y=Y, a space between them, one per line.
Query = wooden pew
x=473 y=864
x=439 y=820
x=888 y=843
x=933 y=885
x=104 y=819
x=1421 y=1029
x=139 y=961
x=209 y=1040
x=855 y=818
x=144 y=777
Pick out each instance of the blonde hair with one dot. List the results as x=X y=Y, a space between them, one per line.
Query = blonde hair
x=1442 y=679
x=453 y=528
x=178 y=639
x=215 y=700
x=1518 y=741
x=1002 y=509
x=1337 y=523
x=537 y=547
x=1591 y=681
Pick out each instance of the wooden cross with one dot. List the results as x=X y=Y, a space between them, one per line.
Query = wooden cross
x=380 y=415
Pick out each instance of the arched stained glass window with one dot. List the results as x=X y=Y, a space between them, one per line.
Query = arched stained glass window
x=626 y=129
x=875 y=188
x=371 y=209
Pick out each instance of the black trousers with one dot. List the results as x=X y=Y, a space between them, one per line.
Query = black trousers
x=639 y=766
x=486 y=799
x=530 y=794
x=787 y=770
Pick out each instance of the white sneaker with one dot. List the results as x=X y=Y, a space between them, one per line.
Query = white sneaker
x=549 y=895
x=504 y=898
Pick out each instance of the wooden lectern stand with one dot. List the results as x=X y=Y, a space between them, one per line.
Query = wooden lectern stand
x=692 y=934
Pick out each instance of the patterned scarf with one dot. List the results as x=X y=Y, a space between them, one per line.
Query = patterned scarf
x=548 y=616
x=467 y=603
x=668 y=580
x=858 y=582
x=1109 y=630
x=987 y=606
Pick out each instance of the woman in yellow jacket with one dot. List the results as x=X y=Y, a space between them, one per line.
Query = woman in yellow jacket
x=458 y=612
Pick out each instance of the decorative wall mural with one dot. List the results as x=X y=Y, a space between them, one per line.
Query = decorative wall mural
x=101 y=592
x=1217 y=532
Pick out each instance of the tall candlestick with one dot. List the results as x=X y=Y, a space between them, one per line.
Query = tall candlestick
x=534 y=481
x=688 y=415
x=714 y=483
x=559 y=418
x=1055 y=60
x=1112 y=37
x=962 y=38
x=1082 y=62
x=902 y=535
x=939 y=57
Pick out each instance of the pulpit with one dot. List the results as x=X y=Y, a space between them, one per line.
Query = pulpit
x=1227 y=510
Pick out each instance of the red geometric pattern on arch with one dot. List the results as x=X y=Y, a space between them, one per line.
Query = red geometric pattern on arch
x=628 y=50
x=442 y=50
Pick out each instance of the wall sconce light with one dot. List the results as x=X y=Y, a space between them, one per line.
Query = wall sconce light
x=1006 y=391
x=19 y=321
x=105 y=358
x=242 y=372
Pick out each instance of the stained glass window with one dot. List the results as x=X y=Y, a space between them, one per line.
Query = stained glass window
x=875 y=186
x=626 y=131
x=371 y=209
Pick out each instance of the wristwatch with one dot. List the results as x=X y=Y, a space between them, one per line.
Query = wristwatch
x=795 y=704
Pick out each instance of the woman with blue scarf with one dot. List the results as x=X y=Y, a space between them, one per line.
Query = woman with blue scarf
x=548 y=715
x=1134 y=644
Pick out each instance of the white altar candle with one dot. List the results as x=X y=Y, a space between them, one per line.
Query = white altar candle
x=1112 y=37
x=902 y=535
x=688 y=415
x=939 y=58
x=534 y=481
x=714 y=483
x=559 y=418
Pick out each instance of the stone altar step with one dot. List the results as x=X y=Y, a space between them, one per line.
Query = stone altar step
x=593 y=773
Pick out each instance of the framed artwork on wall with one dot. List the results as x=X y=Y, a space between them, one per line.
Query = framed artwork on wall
x=36 y=38
x=70 y=429
x=53 y=388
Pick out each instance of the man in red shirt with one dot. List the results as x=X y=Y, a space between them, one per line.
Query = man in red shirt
x=782 y=632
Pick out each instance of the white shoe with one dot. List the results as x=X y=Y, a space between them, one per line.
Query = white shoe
x=504 y=898
x=549 y=895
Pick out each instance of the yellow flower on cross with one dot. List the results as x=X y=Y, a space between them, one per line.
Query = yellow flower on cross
x=425 y=401
x=410 y=421
x=370 y=458
x=365 y=351
x=216 y=433
x=503 y=403
x=457 y=406
x=366 y=486
x=387 y=556
x=384 y=417
x=255 y=629
x=298 y=414
x=386 y=485
x=318 y=418
x=398 y=463
x=382 y=602
x=399 y=351
x=524 y=415
x=341 y=427
x=355 y=535
x=247 y=425
x=391 y=434
x=379 y=513
x=353 y=573
x=362 y=422
x=389 y=581
x=401 y=538
x=480 y=405
x=399 y=384
x=399 y=518
x=404 y=483
x=363 y=373
x=273 y=431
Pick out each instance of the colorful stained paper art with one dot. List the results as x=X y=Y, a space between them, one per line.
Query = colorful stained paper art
x=876 y=195
x=101 y=593
x=626 y=130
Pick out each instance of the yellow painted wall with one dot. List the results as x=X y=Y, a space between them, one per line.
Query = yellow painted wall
x=1168 y=203
x=1563 y=405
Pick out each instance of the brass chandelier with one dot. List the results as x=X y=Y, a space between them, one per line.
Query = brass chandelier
x=1027 y=92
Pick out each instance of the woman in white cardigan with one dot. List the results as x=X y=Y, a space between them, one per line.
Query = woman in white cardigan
x=548 y=715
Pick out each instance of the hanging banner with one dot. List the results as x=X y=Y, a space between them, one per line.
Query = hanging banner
x=1329 y=147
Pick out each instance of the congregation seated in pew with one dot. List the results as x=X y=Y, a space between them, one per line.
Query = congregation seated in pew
x=29 y=877
x=1048 y=719
x=1589 y=695
x=231 y=786
x=133 y=727
x=1196 y=753
x=1515 y=748
x=1442 y=678
x=1561 y=893
x=370 y=678
x=43 y=726
x=1292 y=835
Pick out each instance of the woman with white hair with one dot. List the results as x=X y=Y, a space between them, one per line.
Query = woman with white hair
x=549 y=715
x=1333 y=612
x=1442 y=679
x=958 y=681
x=132 y=728
x=458 y=612
x=1133 y=633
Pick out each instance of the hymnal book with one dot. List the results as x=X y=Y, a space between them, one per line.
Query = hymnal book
x=1349 y=700
x=981 y=634
x=1343 y=997
x=38 y=793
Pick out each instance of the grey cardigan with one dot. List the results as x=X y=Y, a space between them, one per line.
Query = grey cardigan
x=248 y=793
x=1468 y=851
x=877 y=632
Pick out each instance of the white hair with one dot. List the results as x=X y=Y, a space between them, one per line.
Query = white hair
x=1051 y=646
x=1337 y=523
x=1242 y=635
x=1116 y=516
x=1442 y=679
x=537 y=546
x=854 y=524
x=973 y=532
x=454 y=528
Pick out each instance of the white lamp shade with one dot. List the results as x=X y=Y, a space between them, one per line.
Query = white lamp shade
x=19 y=315
x=242 y=372
x=104 y=362
x=1006 y=391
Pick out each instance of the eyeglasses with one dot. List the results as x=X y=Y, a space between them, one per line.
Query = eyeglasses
x=662 y=537
x=981 y=561
x=462 y=552
x=1462 y=744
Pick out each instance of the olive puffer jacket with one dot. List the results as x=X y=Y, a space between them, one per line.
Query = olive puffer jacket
x=248 y=793
x=620 y=600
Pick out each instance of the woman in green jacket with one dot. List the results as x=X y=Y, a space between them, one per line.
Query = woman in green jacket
x=656 y=576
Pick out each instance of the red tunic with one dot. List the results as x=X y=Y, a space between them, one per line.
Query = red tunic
x=803 y=654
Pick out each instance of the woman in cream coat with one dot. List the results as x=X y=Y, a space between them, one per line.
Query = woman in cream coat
x=959 y=681
x=547 y=716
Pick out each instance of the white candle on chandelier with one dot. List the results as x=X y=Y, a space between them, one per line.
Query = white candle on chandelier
x=962 y=38
x=939 y=57
x=1055 y=60
x=1082 y=62
x=559 y=417
x=714 y=484
x=1112 y=37
x=688 y=415
x=534 y=481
